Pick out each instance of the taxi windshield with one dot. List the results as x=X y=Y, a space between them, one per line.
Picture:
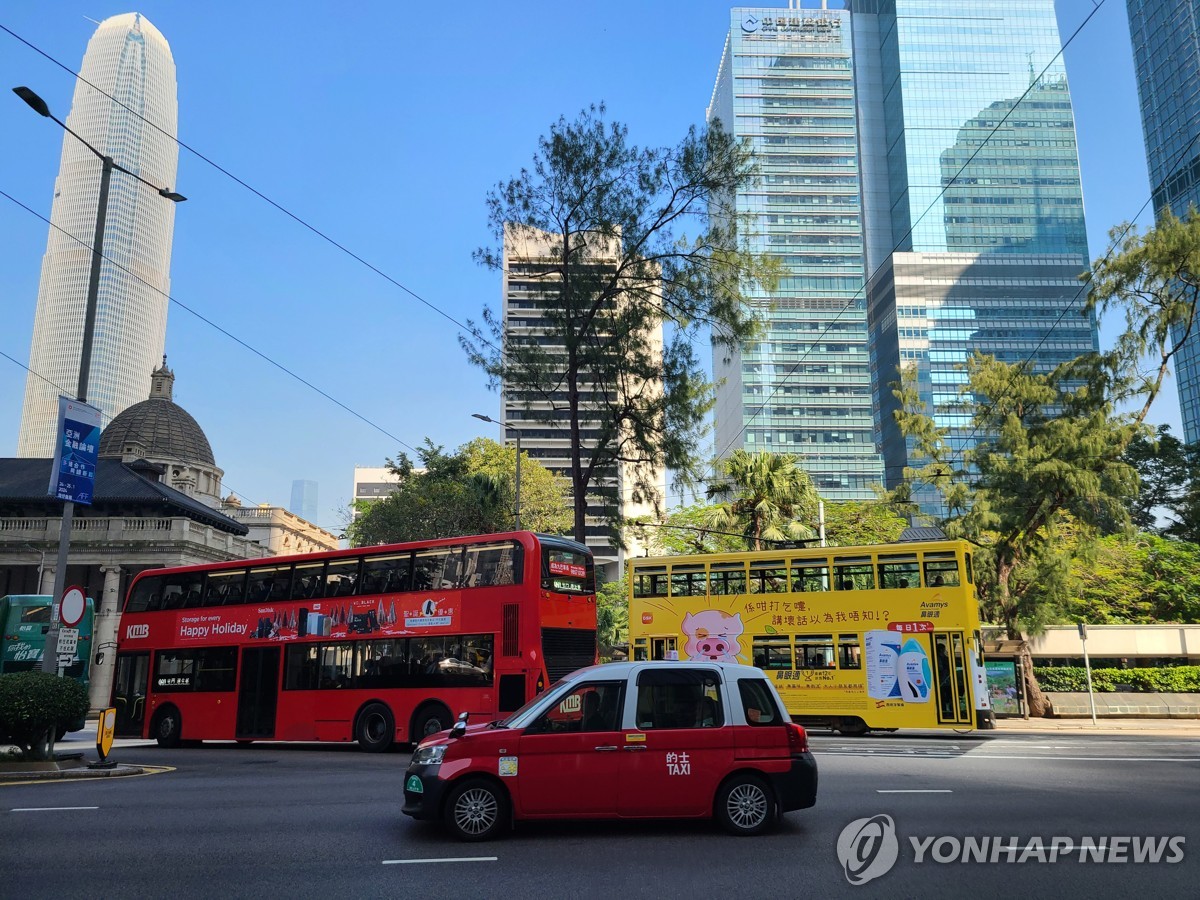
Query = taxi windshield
x=521 y=717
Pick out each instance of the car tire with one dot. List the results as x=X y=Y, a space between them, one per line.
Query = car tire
x=430 y=720
x=375 y=729
x=477 y=810
x=168 y=727
x=745 y=805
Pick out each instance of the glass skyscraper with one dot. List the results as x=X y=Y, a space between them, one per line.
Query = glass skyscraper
x=975 y=230
x=128 y=59
x=1166 y=52
x=786 y=84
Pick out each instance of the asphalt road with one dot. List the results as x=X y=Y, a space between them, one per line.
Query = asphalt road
x=320 y=821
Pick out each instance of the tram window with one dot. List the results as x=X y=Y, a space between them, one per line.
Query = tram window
x=772 y=651
x=853 y=575
x=899 y=572
x=768 y=577
x=688 y=581
x=849 y=652
x=810 y=576
x=941 y=569
x=650 y=582
x=814 y=651
x=727 y=578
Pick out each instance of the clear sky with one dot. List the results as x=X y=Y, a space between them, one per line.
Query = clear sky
x=383 y=125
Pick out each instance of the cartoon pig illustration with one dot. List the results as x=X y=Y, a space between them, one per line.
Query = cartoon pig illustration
x=712 y=635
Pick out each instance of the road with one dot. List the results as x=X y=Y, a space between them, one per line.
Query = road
x=315 y=821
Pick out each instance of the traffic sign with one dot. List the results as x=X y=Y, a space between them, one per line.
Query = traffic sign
x=68 y=642
x=71 y=609
x=104 y=732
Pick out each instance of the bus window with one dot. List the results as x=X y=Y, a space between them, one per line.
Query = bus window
x=941 y=569
x=849 y=652
x=650 y=581
x=899 y=572
x=268 y=583
x=814 y=651
x=453 y=573
x=488 y=564
x=182 y=590
x=853 y=574
x=772 y=651
x=429 y=566
x=687 y=581
x=386 y=573
x=308 y=581
x=146 y=594
x=198 y=669
x=808 y=576
x=341 y=577
x=726 y=578
x=768 y=577
x=221 y=588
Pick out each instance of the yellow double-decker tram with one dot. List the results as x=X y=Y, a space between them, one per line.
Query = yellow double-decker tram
x=855 y=638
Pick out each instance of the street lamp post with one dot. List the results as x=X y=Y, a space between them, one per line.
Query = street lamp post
x=38 y=105
x=517 y=476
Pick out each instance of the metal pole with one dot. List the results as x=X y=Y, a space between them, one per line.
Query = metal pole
x=50 y=654
x=821 y=521
x=517 y=481
x=1087 y=663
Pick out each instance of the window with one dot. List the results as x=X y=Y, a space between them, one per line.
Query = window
x=341 y=577
x=221 y=588
x=595 y=706
x=899 y=572
x=687 y=581
x=650 y=582
x=181 y=590
x=201 y=669
x=428 y=568
x=759 y=702
x=489 y=564
x=268 y=583
x=853 y=574
x=318 y=666
x=814 y=651
x=768 y=577
x=387 y=573
x=727 y=578
x=679 y=698
x=772 y=651
x=810 y=576
x=941 y=569
x=849 y=652
x=308 y=581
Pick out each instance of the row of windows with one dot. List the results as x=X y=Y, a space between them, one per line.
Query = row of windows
x=891 y=572
x=806 y=651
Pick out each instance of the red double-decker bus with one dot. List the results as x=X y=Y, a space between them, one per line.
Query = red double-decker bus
x=377 y=645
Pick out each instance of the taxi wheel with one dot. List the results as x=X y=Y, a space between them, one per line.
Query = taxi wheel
x=745 y=805
x=477 y=810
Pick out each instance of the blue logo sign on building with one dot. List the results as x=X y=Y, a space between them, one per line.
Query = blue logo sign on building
x=73 y=475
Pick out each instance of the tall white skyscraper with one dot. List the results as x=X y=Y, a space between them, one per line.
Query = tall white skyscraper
x=127 y=59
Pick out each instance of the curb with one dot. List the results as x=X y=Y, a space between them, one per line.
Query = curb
x=81 y=772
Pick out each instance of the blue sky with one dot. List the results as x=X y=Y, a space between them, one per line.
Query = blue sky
x=383 y=125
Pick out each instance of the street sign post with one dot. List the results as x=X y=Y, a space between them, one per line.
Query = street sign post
x=105 y=728
x=1088 y=666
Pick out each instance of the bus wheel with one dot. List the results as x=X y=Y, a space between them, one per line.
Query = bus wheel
x=852 y=727
x=477 y=810
x=375 y=728
x=168 y=726
x=430 y=720
x=745 y=805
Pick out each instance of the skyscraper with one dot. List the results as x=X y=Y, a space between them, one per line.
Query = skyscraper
x=304 y=499
x=1166 y=53
x=975 y=231
x=786 y=84
x=129 y=60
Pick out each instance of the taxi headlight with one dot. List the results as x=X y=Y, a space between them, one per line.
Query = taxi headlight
x=429 y=756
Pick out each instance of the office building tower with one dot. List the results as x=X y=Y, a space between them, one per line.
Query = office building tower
x=786 y=85
x=304 y=500
x=130 y=65
x=530 y=272
x=1166 y=54
x=975 y=232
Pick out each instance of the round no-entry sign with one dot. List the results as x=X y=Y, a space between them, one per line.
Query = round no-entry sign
x=71 y=611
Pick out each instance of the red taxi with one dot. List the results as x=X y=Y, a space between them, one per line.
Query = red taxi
x=623 y=740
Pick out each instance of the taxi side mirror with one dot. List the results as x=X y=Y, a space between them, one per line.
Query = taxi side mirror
x=460 y=727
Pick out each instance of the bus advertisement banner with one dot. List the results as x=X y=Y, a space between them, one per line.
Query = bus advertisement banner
x=73 y=474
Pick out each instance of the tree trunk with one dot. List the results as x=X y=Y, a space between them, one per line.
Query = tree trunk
x=1036 y=701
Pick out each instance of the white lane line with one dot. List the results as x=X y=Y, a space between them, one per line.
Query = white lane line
x=51 y=808
x=448 y=859
x=1086 y=758
x=916 y=791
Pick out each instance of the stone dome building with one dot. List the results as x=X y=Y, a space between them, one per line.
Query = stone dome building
x=160 y=431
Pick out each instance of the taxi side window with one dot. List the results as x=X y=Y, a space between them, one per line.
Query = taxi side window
x=758 y=702
x=679 y=698
x=595 y=706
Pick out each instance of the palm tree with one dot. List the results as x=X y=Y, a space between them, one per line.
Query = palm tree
x=767 y=496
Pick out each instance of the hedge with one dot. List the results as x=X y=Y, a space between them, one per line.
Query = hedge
x=35 y=705
x=1176 y=679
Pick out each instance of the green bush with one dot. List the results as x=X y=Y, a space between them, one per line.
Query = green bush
x=34 y=706
x=1175 y=679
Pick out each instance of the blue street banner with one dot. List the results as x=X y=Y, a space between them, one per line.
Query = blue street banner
x=73 y=475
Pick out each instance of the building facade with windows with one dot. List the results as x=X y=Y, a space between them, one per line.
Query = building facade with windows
x=1166 y=54
x=127 y=59
x=975 y=233
x=786 y=85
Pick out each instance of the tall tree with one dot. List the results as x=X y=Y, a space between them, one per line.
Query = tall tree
x=851 y=522
x=1168 y=484
x=628 y=239
x=766 y=496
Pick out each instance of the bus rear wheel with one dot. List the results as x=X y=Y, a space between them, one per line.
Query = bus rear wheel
x=168 y=727
x=375 y=728
x=430 y=720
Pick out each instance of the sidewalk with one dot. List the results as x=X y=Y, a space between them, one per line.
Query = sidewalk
x=1178 y=728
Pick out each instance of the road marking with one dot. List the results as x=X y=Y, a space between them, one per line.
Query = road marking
x=1088 y=758
x=918 y=791
x=51 y=808
x=445 y=859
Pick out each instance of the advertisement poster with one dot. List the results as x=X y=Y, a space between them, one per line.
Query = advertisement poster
x=897 y=667
x=1002 y=686
x=73 y=474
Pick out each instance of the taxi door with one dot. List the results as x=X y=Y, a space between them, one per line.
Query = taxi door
x=680 y=747
x=567 y=758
